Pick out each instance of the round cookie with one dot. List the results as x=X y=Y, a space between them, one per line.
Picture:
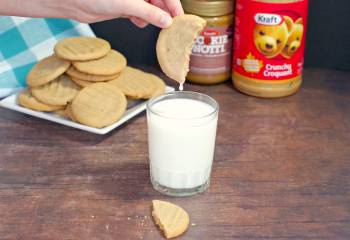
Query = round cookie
x=61 y=113
x=174 y=45
x=159 y=85
x=26 y=99
x=134 y=83
x=82 y=48
x=82 y=83
x=46 y=70
x=98 y=105
x=113 y=63
x=58 y=92
x=74 y=73
x=68 y=113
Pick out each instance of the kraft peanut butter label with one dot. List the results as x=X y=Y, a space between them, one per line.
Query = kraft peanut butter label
x=211 y=53
x=269 y=39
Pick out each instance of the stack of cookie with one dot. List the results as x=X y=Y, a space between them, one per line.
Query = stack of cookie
x=92 y=60
x=88 y=82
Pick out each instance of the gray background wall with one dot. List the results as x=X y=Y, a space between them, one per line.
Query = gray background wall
x=328 y=36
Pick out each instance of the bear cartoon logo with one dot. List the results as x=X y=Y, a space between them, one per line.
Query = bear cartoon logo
x=271 y=35
x=295 y=38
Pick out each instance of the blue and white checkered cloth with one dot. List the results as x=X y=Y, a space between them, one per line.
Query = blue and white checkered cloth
x=24 y=41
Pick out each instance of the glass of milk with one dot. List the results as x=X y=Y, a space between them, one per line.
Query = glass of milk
x=181 y=138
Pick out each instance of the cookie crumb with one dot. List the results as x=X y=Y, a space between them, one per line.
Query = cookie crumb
x=128 y=218
x=193 y=224
x=92 y=216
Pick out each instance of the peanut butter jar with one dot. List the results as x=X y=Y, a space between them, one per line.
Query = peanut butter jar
x=210 y=61
x=269 y=45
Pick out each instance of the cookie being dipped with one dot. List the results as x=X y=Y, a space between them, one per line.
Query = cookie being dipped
x=174 y=45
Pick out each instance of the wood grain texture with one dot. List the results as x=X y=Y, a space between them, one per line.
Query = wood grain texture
x=281 y=171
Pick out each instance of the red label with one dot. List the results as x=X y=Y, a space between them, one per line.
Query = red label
x=269 y=39
x=211 y=53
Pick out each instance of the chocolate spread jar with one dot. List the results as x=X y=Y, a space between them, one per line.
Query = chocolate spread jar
x=210 y=61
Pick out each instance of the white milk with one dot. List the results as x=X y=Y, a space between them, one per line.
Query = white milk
x=181 y=87
x=181 y=145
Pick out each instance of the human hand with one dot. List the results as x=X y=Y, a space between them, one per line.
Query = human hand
x=140 y=12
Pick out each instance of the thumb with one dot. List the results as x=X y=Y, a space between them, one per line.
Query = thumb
x=138 y=22
x=149 y=13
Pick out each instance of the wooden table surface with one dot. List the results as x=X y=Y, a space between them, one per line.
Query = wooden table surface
x=281 y=171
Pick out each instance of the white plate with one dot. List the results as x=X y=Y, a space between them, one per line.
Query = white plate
x=134 y=108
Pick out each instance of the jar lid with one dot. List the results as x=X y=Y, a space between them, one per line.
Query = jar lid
x=208 y=8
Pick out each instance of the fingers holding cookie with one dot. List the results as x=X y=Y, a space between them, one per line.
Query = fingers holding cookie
x=149 y=13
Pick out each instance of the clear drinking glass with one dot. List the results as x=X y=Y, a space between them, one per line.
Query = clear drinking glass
x=181 y=140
